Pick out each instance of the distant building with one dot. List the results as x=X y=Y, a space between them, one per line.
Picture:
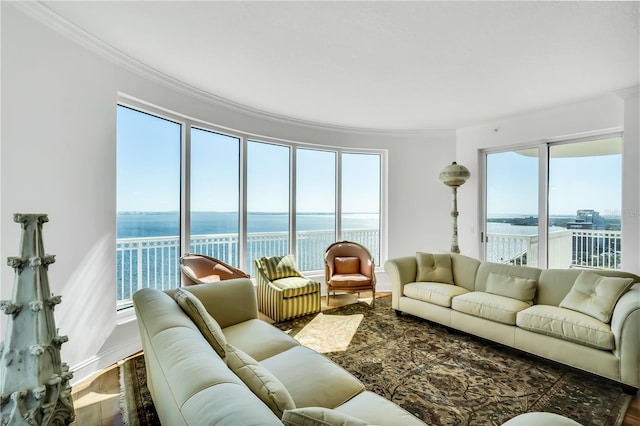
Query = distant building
x=587 y=219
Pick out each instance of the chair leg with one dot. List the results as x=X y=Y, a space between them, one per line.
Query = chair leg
x=327 y=297
x=373 y=298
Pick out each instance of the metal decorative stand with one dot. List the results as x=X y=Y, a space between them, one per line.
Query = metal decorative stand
x=34 y=384
x=454 y=175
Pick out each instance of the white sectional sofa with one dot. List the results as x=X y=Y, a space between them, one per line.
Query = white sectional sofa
x=225 y=366
x=587 y=319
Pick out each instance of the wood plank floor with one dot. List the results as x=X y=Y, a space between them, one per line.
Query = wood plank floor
x=97 y=400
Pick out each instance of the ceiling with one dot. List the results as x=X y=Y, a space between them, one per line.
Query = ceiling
x=399 y=65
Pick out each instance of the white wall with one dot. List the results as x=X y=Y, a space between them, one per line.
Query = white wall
x=583 y=118
x=58 y=157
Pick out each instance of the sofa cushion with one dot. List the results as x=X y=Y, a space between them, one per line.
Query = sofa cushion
x=319 y=416
x=566 y=324
x=434 y=268
x=489 y=306
x=312 y=379
x=261 y=382
x=347 y=265
x=595 y=295
x=296 y=286
x=436 y=293
x=207 y=325
x=277 y=267
x=272 y=341
x=511 y=286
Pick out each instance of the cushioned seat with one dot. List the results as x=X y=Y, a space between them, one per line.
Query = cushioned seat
x=283 y=292
x=566 y=324
x=489 y=306
x=436 y=293
x=296 y=286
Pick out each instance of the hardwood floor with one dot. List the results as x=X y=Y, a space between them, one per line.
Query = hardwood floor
x=97 y=400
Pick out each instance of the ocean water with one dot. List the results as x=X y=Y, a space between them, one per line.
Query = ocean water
x=136 y=225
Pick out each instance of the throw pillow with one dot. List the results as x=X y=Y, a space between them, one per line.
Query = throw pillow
x=319 y=416
x=434 y=268
x=347 y=265
x=261 y=381
x=207 y=325
x=595 y=295
x=510 y=286
x=280 y=267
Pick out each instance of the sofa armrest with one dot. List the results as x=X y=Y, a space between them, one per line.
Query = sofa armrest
x=229 y=301
x=625 y=325
x=401 y=270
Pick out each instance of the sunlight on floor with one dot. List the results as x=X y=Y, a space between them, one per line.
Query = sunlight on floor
x=329 y=333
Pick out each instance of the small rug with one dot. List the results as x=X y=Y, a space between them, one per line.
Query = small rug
x=329 y=333
x=442 y=376
x=446 y=377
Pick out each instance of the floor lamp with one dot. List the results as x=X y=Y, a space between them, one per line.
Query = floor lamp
x=454 y=175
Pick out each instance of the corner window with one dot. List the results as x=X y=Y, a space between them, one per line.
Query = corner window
x=185 y=186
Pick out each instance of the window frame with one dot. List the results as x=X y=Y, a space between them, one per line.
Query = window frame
x=543 y=147
x=187 y=123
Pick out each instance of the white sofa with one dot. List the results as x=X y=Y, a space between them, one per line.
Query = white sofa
x=191 y=384
x=556 y=314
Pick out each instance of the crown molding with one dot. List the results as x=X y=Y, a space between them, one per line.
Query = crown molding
x=46 y=16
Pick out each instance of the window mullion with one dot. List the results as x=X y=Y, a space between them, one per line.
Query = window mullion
x=293 y=243
x=242 y=220
x=185 y=187
x=543 y=205
x=339 y=195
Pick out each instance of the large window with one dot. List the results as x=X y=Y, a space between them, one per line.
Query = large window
x=361 y=200
x=556 y=205
x=215 y=195
x=233 y=197
x=315 y=206
x=148 y=203
x=267 y=201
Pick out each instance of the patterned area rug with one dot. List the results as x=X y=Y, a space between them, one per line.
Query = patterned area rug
x=445 y=377
x=136 y=404
x=442 y=376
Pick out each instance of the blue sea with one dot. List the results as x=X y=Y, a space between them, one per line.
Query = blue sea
x=161 y=224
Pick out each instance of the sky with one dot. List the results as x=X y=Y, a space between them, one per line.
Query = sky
x=149 y=172
x=575 y=183
x=149 y=176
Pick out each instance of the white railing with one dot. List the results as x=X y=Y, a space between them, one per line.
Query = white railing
x=154 y=261
x=566 y=248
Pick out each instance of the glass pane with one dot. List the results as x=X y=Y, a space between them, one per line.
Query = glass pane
x=585 y=187
x=267 y=201
x=315 y=206
x=148 y=203
x=512 y=207
x=215 y=195
x=361 y=200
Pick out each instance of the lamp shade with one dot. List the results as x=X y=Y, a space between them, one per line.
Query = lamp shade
x=454 y=175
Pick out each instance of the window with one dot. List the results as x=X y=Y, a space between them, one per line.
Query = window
x=361 y=200
x=511 y=226
x=315 y=206
x=215 y=195
x=585 y=199
x=267 y=201
x=148 y=203
x=188 y=186
x=563 y=214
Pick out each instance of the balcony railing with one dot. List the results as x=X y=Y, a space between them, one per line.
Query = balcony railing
x=154 y=261
x=566 y=248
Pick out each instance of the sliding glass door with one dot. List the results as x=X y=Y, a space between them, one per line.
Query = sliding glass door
x=556 y=205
